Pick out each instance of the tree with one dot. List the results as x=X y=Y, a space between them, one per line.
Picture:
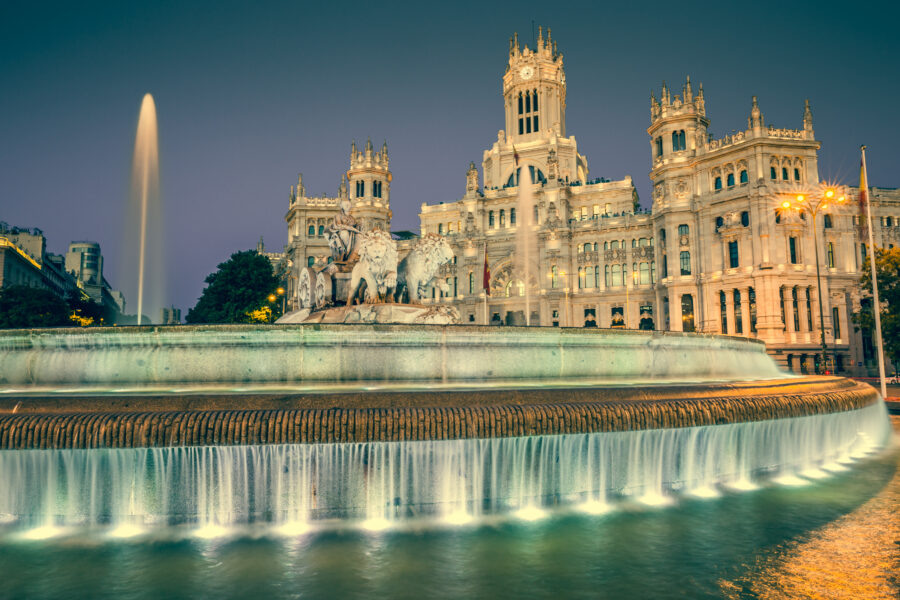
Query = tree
x=26 y=307
x=887 y=264
x=241 y=285
x=85 y=312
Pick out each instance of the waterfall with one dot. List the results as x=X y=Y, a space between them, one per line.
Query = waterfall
x=221 y=486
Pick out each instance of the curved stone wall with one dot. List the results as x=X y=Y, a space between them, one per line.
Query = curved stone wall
x=104 y=422
x=350 y=353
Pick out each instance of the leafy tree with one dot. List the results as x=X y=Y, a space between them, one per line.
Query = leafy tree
x=26 y=307
x=84 y=311
x=241 y=286
x=887 y=264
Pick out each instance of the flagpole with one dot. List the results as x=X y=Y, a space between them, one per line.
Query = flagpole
x=876 y=306
x=483 y=284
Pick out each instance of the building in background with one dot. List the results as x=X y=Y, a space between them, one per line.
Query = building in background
x=24 y=260
x=84 y=261
x=714 y=254
x=170 y=316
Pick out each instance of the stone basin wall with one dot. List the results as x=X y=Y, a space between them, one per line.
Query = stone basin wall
x=157 y=421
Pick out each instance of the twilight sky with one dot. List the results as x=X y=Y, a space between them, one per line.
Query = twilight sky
x=250 y=94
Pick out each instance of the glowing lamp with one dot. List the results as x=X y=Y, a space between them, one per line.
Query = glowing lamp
x=829 y=193
x=785 y=204
x=800 y=198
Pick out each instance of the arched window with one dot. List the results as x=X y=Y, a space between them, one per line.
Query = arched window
x=731 y=180
x=634 y=242
x=502 y=217
x=683 y=229
x=733 y=256
x=685 y=262
x=312 y=231
x=534 y=104
x=537 y=176
x=605 y=246
x=796 y=174
x=723 y=311
x=440 y=229
x=718 y=184
x=827 y=222
x=659 y=147
x=520 y=104
x=321 y=230
x=596 y=276
x=662 y=236
x=744 y=178
x=773 y=174
x=614 y=245
x=784 y=174
x=719 y=222
x=471 y=282
x=745 y=218
x=829 y=254
x=515 y=287
x=491 y=219
x=607 y=279
x=665 y=266
x=645 y=273
x=512 y=216
x=687 y=313
x=310 y=261
x=678 y=140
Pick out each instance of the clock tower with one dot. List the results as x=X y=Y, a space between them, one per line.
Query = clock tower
x=534 y=90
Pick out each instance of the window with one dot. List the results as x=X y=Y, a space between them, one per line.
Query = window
x=751 y=293
x=537 y=176
x=731 y=180
x=665 y=266
x=744 y=178
x=471 y=282
x=596 y=277
x=520 y=103
x=836 y=320
x=607 y=276
x=312 y=231
x=828 y=224
x=659 y=147
x=491 y=219
x=502 y=217
x=653 y=272
x=796 y=174
x=719 y=222
x=829 y=254
x=792 y=248
x=521 y=124
x=617 y=317
x=645 y=273
x=738 y=317
x=534 y=97
x=310 y=261
x=723 y=311
x=376 y=189
x=321 y=230
x=528 y=112
x=581 y=281
x=536 y=220
x=773 y=174
x=687 y=313
x=888 y=222
x=678 y=141
x=745 y=219
x=685 y=262
x=796 y=306
x=733 y=258
x=662 y=237
x=512 y=216
x=440 y=229
x=809 y=326
x=718 y=184
x=683 y=229
x=617 y=275
x=784 y=174
x=360 y=189
x=554 y=277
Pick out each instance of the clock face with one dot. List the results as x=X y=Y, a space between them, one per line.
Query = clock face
x=526 y=73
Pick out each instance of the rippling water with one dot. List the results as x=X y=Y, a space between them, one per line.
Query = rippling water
x=838 y=534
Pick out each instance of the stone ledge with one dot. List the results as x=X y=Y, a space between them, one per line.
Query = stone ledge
x=405 y=416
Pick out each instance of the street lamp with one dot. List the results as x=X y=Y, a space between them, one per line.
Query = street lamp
x=280 y=292
x=812 y=206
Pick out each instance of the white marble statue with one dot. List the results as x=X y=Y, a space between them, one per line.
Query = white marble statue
x=417 y=270
x=377 y=266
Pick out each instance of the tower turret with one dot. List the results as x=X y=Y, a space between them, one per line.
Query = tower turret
x=368 y=185
x=534 y=90
x=807 y=120
x=677 y=123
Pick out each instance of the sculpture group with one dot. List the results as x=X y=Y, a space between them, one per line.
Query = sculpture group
x=365 y=267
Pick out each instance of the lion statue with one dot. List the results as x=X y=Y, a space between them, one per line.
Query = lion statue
x=417 y=270
x=377 y=267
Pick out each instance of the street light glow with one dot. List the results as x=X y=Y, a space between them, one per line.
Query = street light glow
x=800 y=198
x=785 y=204
x=829 y=193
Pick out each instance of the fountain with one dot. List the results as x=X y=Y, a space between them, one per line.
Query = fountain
x=526 y=263
x=144 y=221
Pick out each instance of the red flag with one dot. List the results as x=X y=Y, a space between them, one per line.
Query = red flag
x=487 y=274
x=515 y=155
x=863 y=197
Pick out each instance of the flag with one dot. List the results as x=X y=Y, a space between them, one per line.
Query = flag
x=863 y=197
x=515 y=155
x=487 y=273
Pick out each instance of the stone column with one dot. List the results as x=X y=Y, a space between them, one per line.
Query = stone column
x=745 y=311
x=804 y=319
x=729 y=311
x=788 y=314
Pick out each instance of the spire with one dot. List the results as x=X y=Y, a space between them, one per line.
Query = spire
x=384 y=151
x=664 y=96
x=342 y=190
x=700 y=102
x=511 y=51
x=540 y=38
x=369 y=148
x=301 y=191
x=687 y=91
x=353 y=150
x=807 y=117
x=515 y=42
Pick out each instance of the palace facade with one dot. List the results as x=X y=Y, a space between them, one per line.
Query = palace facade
x=716 y=253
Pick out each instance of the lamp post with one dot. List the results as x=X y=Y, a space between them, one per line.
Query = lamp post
x=812 y=207
x=280 y=292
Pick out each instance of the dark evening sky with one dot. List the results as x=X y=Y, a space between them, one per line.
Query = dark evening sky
x=249 y=94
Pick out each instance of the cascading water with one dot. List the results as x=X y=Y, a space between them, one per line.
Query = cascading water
x=526 y=264
x=381 y=482
x=144 y=225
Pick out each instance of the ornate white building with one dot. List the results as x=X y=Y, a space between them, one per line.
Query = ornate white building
x=715 y=254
